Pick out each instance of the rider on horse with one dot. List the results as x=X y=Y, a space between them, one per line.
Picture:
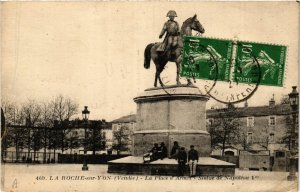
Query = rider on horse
x=171 y=27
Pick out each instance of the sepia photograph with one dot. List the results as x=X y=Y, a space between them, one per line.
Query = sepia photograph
x=166 y=96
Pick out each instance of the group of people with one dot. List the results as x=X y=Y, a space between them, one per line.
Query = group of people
x=157 y=152
x=183 y=157
x=178 y=153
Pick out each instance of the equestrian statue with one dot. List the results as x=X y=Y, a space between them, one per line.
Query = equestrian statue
x=171 y=47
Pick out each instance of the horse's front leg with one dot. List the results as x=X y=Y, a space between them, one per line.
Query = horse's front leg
x=178 y=62
x=159 y=79
x=155 y=79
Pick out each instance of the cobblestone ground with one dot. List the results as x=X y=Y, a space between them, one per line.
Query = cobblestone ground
x=70 y=177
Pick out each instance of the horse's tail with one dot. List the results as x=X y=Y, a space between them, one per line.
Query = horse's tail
x=147 y=56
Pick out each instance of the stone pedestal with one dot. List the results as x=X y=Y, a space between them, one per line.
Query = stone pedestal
x=173 y=113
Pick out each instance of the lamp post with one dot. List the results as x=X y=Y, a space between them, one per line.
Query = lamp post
x=85 y=117
x=294 y=102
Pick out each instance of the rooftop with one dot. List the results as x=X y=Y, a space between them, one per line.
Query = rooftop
x=281 y=109
x=125 y=119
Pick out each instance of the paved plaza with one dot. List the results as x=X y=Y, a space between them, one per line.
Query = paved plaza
x=70 y=178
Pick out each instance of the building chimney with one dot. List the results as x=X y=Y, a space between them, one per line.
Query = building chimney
x=246 y=103
x=272 y=102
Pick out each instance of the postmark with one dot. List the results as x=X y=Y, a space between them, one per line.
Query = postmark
x=241 y=67
x=234 y=90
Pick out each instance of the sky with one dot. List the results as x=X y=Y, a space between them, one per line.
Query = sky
x=93 y=52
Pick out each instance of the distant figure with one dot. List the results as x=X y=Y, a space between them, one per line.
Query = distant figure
x=163 y=151
x=193 y=160
x=182 y=158
x=174 y=150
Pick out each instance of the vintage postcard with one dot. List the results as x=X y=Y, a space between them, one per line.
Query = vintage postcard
x=159 y=96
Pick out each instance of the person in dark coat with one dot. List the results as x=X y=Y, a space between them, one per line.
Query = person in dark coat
x=174 y=150
x=182 y=159
x=154 y=152
x=193 y=160
x=163 y=151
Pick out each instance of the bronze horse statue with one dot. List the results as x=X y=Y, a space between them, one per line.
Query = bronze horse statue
x=160 y=60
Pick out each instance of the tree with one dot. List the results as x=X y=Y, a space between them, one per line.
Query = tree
x=31 y=111
x=53 y=139
x=13 y=136
x=95 y=135
x=46 y=122
x=73 y=140
x=64 y=109
x=225 y=128
x=242 y=138
x=32 y=126
x=121 y=139
x=285 y=100
x=6 y=142
x=286 y=139
x=264 y=138
x=37 y=141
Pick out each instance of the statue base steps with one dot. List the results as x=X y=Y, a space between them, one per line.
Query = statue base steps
x=206 y=166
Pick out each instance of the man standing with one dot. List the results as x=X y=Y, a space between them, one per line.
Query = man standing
x=193 y=160
x=182 y=157
x=171 y=28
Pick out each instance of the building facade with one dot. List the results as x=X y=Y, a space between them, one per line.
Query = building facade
x=127 y=124
x=262 y=128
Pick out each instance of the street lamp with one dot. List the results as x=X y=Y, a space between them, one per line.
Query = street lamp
x=85 y=117
x=294 y=102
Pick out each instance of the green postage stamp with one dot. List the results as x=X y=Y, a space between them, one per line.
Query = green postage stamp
x=235 y=61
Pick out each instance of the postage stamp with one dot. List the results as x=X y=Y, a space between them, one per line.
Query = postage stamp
x=271 y=59
x=205 y=58
x=235 y=61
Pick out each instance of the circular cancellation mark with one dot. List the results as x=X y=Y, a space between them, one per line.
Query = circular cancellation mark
x=236 y=90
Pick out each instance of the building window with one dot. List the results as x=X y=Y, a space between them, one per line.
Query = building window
x=250 y=121
x=249 y=137
x=271 y=137
x=132 y=125
x=280 y=154
x=272 y=120
x=210 y=122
